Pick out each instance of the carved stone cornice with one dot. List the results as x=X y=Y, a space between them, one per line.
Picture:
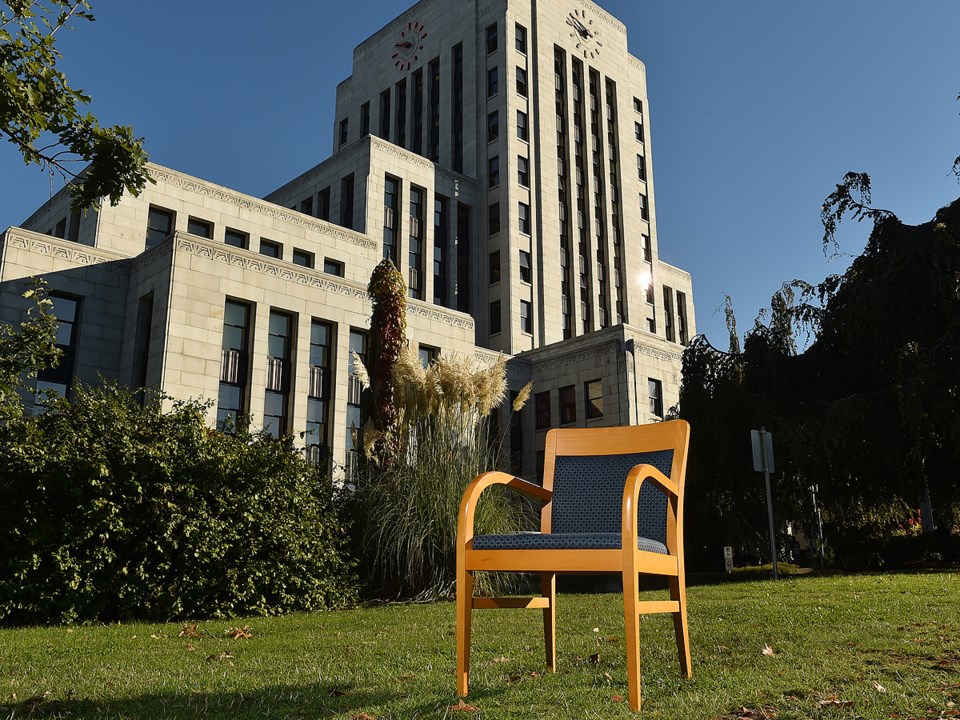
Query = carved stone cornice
x=398 y=152
x=575 y=357
x=634 y=63
x=250 y=204
x=434 y=312
x=66 y=250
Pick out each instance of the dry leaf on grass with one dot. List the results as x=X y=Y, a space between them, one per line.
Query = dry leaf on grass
x=240 y=633
x=514 y=677
x=220 y=656
x=748 y=713
x=834 y=701
x=364 y=716
x=464 y=707
x=500 y=659
x=595 y=658
x=617 y=698
x=337 y=692
x=767 y=650
x=190 y=631
x=878 y=687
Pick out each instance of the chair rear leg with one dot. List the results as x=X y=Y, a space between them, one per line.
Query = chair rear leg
x=678 y=591
x=631 y=617
x=548 y=584
x=464 y=610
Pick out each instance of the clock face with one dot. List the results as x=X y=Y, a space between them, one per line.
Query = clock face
x=408 y=45
x=584 y=33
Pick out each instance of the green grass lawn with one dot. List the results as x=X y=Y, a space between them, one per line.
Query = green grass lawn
x=866 y=646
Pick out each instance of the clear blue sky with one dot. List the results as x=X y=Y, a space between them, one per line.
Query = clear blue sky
x=757 y=110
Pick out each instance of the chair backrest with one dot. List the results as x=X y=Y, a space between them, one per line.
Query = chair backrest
x=587 y=469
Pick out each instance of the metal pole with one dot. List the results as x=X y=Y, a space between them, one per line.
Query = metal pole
x=766 y=478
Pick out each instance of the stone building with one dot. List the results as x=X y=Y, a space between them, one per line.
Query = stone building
x=497 y=150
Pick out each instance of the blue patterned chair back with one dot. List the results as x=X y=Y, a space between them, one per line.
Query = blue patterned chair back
x=588 y=494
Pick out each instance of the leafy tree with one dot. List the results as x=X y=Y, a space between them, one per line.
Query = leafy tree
x=42 y=114
x=26 y=350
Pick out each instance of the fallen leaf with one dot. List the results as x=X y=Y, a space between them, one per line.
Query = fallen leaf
x=617 y=698
x=336 y=692
x=515 y=677
x=240 y=633
x=464 y=707
x=190 y=648
x=500 y=659
x=608 y=676
x=190 y=631
x=613 y=638
x=158 y=636
x=596 y=629
x=534 y=674
x=834 y=701
x=767 y=650
x=878 y=687
x=363 y=716
x=595 y=658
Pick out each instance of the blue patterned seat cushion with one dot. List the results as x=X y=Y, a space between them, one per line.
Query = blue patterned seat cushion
x=565 y=541
x=588 y=494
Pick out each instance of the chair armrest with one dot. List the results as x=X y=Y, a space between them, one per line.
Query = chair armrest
x=631 y=496
x=468 y=506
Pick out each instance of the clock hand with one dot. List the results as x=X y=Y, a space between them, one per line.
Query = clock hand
x=406 y=44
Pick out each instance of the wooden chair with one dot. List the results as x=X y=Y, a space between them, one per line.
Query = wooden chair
x=612 y=503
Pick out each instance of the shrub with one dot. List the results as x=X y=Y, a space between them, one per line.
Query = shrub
x=117 y=511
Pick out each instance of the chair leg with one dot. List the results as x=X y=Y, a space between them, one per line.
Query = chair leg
x=678 y=591
x=548 y=584
x=464 y=609
x=631 y=616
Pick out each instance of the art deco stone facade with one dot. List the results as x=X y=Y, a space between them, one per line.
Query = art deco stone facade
x=498 y=150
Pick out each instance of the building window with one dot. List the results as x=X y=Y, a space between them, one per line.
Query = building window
x=415 y=251
x=303 y=258
x=427 y=354
x=400 y=92
x=638 y=105
x=542 y=401
x=526 y=316
x=235 y=345
x=683 y=332
x=346 y=201
x=493 y=219
x=354 y=443
x=593 y=394
x=277 y=394
x=458 y=94
x=196 y=226
x=59 y=379
x=644 y=210
x=462 y=241
x=523 y=212
x=333 y=267
x=568 y=405
x=521 y=82
x=418 y=112
x=318 y=390
x=655 y=393
x=306 y=206
x=647 y=248
x=641 y=168
x=521 y=39
x=236 y=238
x=385 y=114
x=160 y=223
x=492 y=39
x=434 y=69
x=344 y=130
x=495 y=317
x=668 y=313
x=60 y=230
x=516 y=437
x=523 y=171
x=638 y=131
x=365 y=119
x=493 y=267
x=391 y=218
x=493 y=126
x=271 y=248
x=526 y=271
x=440 y=249
x=493 y=171
x=74 y=232
x=522 y=131
x=493 y=81
x=323 y=204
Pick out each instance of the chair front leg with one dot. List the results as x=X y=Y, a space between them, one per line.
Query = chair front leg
x=464 y=610
x=548 y=585
x=678 y=591
x=631 y=618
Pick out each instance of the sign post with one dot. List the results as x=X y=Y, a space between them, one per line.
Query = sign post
x=728 y=558
x=763 y=462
